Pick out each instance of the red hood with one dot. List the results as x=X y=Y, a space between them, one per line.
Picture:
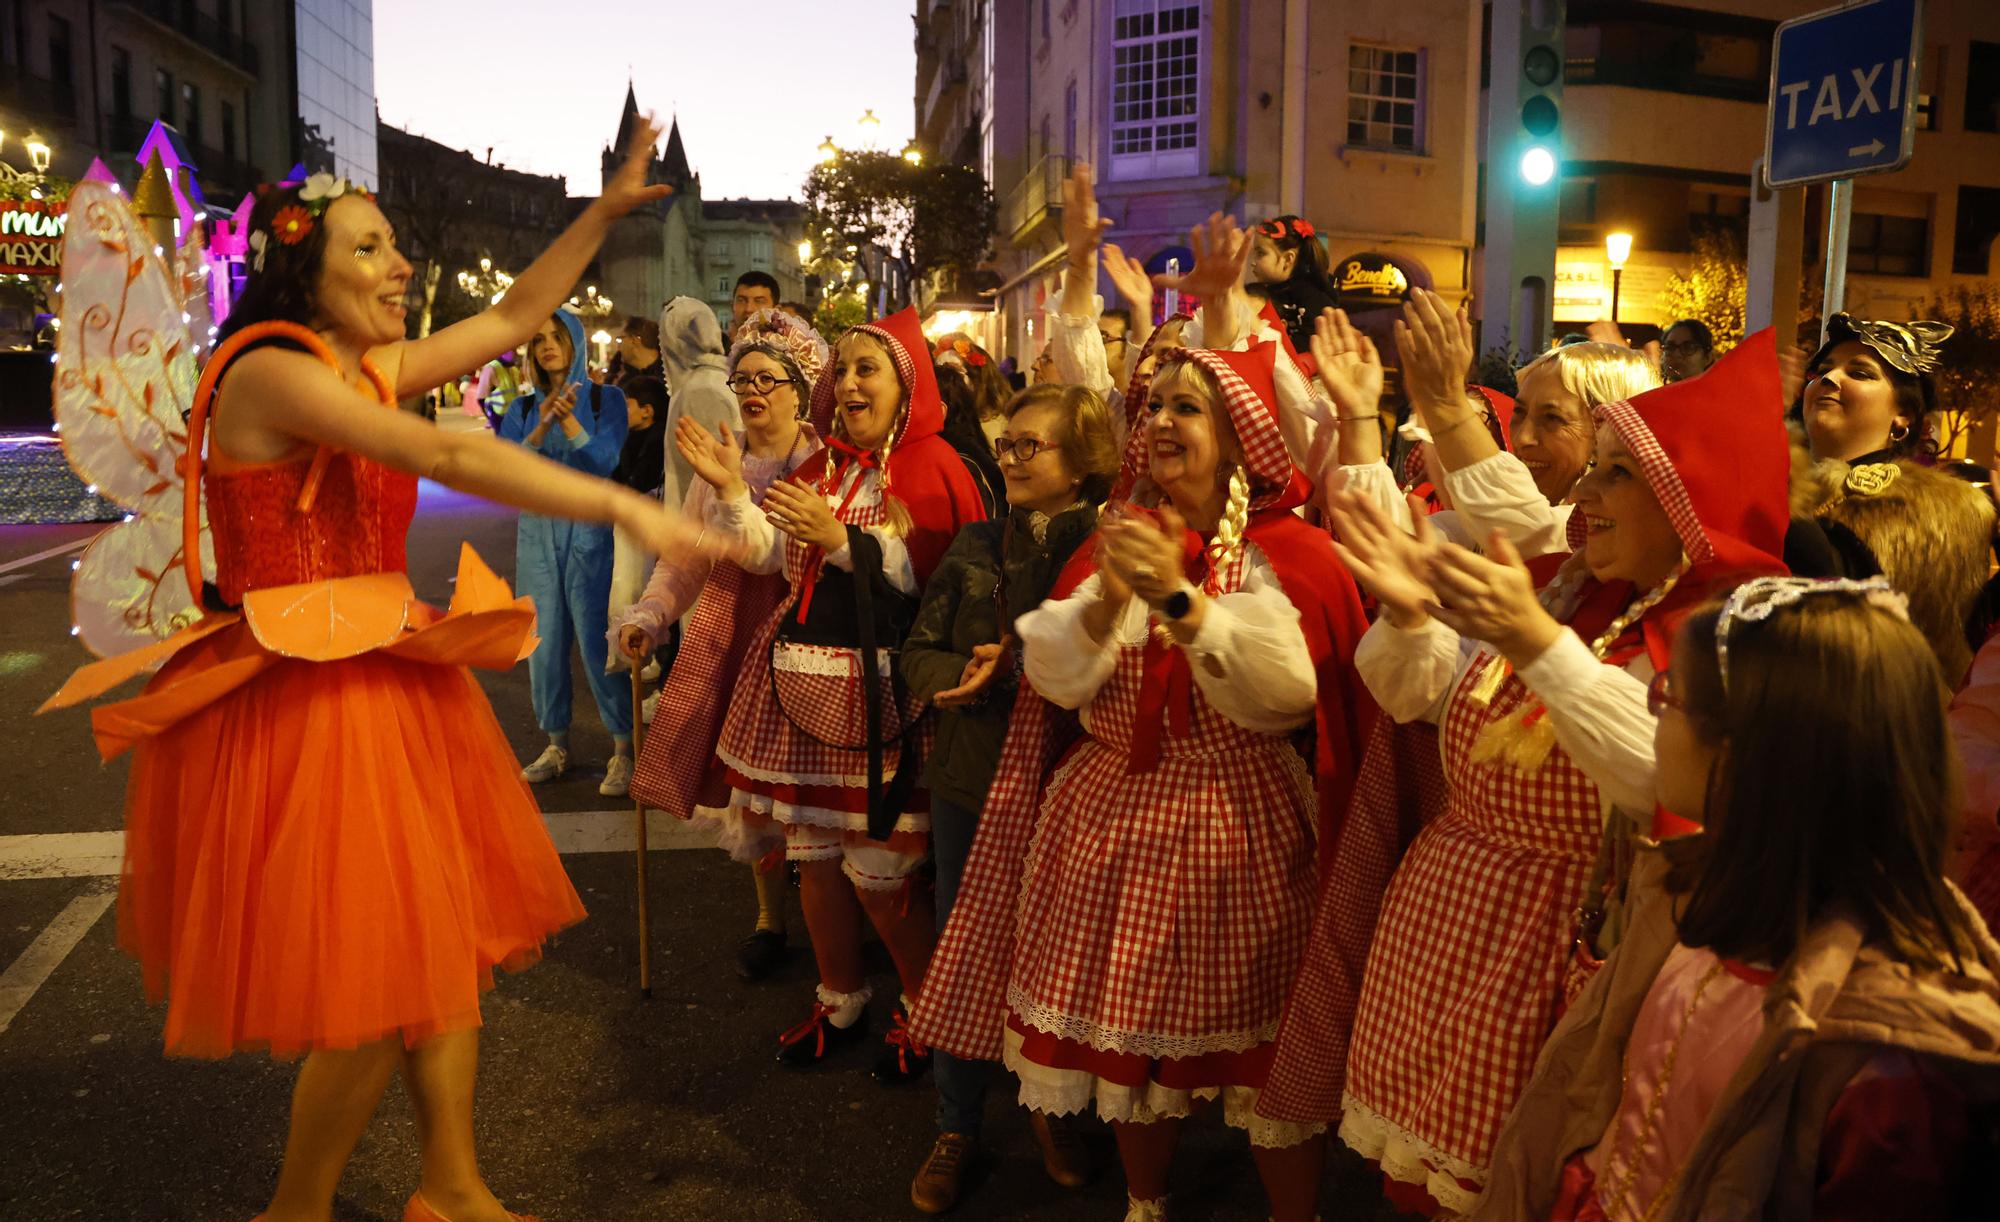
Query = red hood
x=1715 y=453
x=1249 y=390
x=903 y=334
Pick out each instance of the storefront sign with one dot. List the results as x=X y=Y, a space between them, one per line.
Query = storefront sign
x=31 y=232
x=1370 y=280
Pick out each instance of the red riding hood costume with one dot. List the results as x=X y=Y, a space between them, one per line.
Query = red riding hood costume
x=1129 y=922
x=1476 y=936
x=812 y=755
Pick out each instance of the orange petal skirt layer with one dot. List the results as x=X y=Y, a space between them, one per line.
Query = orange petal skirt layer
x=327 y=853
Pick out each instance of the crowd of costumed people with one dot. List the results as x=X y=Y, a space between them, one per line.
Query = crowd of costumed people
x=1577 y=797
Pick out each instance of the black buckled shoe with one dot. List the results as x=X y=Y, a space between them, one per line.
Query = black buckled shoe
x=760 y=954
x=903 y=1059
x=813 y=1040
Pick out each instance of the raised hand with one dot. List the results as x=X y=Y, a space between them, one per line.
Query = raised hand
x=715 y=457
x=1081 y=226
x=1128 y=276
x=1348 y=364
x=628 y=188
x=1436 y=350
x=1221 y=252
x=1390 y=562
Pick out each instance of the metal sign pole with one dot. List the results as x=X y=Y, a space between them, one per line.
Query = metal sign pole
x=1839 y=210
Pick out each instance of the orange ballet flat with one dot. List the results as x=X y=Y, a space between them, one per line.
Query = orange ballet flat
x=419 y=1210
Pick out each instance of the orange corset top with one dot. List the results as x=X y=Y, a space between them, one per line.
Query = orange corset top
x=358 y=523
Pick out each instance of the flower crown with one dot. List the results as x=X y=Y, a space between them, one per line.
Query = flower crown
x=294 y=221
x=1757 y=599
x=1298 y=227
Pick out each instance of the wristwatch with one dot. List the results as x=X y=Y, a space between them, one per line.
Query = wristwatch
x=1179 y=603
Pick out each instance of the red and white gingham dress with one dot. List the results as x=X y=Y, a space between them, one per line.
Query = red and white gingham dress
x=1162 y=915
x=1466 y=968
x=778 y=774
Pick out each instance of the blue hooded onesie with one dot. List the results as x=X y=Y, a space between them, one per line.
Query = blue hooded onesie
x=566 y=566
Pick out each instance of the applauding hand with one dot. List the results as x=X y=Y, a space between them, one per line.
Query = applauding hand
x=1492 y=598
x=715 y=457
x=798 y=509
x=1391 y=563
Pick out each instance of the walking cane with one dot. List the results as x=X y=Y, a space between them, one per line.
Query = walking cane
x=639 y=814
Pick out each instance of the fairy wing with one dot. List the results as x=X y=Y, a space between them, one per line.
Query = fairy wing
x=125 y=378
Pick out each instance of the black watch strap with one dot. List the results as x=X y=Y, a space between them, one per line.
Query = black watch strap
x=1177 y=604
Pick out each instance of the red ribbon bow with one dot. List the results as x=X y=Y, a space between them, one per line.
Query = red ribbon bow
x=1166 y=693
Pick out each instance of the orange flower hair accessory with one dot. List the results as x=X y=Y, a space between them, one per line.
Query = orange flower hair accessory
x=291 y=225
x=969 y=353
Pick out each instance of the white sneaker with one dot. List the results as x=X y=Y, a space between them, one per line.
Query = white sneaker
x=550 y=764
x=647 y=706
x=617 y=777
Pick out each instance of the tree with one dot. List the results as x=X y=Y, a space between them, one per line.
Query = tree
x=929 y=217
x=1968 y=372
x=837 y=313
x=1715 y=287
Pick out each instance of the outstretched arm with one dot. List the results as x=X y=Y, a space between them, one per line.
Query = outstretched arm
x=418 y=365
x=295 y=395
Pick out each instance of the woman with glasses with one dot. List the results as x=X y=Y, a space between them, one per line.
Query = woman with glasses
x=1058 y=452
x=775 y=358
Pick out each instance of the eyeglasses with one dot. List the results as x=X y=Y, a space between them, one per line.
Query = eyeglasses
x=1020 y=449
x=1682 y=347
x=1660 y=693
x=1110 y=339
x=760 y=383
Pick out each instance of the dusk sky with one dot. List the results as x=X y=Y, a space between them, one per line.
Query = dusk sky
x=757 y=85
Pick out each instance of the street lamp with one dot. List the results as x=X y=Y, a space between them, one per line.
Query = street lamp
x=913 y=154
x=38 y=153
x=869 y=128
x=805 y=251
x=1617 y=248
x=828 y=150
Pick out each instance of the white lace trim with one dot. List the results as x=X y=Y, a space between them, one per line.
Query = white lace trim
x=1065 y=1092
x=853 y=1002
x=819 y=816
x=827 y=661
x=1136 y=1043
x=825 y=780
x=1407 y=1158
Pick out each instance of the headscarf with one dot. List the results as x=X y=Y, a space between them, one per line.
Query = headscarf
x=790 y=340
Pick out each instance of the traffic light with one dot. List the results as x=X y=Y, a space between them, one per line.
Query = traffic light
x=1524 y=162
x=1541 y=86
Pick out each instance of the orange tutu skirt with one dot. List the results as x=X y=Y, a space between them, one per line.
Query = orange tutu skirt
x=327 y=853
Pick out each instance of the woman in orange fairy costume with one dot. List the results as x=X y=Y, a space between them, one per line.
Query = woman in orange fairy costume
x=328 y=848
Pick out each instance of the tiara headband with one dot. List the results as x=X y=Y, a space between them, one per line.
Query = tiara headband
x=294 y=221
x=1910 y=347
x=1759 y=598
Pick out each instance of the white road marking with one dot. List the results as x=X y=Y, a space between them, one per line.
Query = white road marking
x=98 y=854
x=50 y=948
x=38 y=557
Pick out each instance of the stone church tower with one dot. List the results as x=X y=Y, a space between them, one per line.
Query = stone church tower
x=655 y=253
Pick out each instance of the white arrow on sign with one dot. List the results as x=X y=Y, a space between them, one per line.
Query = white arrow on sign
x=1869 y=149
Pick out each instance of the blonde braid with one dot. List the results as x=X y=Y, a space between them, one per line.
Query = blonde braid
x=1229 y=530
x=1602 y=645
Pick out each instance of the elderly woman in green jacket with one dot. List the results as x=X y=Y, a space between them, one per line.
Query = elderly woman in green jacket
x=1058 y=454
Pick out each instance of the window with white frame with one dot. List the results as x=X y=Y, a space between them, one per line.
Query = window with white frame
x=718 y=249
x=724 y=286
x=1385 y=98
x=1156 y=88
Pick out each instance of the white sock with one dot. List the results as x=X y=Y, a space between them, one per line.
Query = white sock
x=847 y=1007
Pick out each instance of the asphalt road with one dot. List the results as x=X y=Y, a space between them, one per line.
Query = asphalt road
x=594 y=1104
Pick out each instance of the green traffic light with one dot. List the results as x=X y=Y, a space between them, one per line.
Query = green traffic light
x=1538 y=166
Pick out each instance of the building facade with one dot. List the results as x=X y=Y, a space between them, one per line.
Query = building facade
x=1706 y=65
x=1361 y=118
x=1367 y=118
x=746 y=235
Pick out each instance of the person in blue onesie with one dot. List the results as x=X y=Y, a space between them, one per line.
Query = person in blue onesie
x=566 y=566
